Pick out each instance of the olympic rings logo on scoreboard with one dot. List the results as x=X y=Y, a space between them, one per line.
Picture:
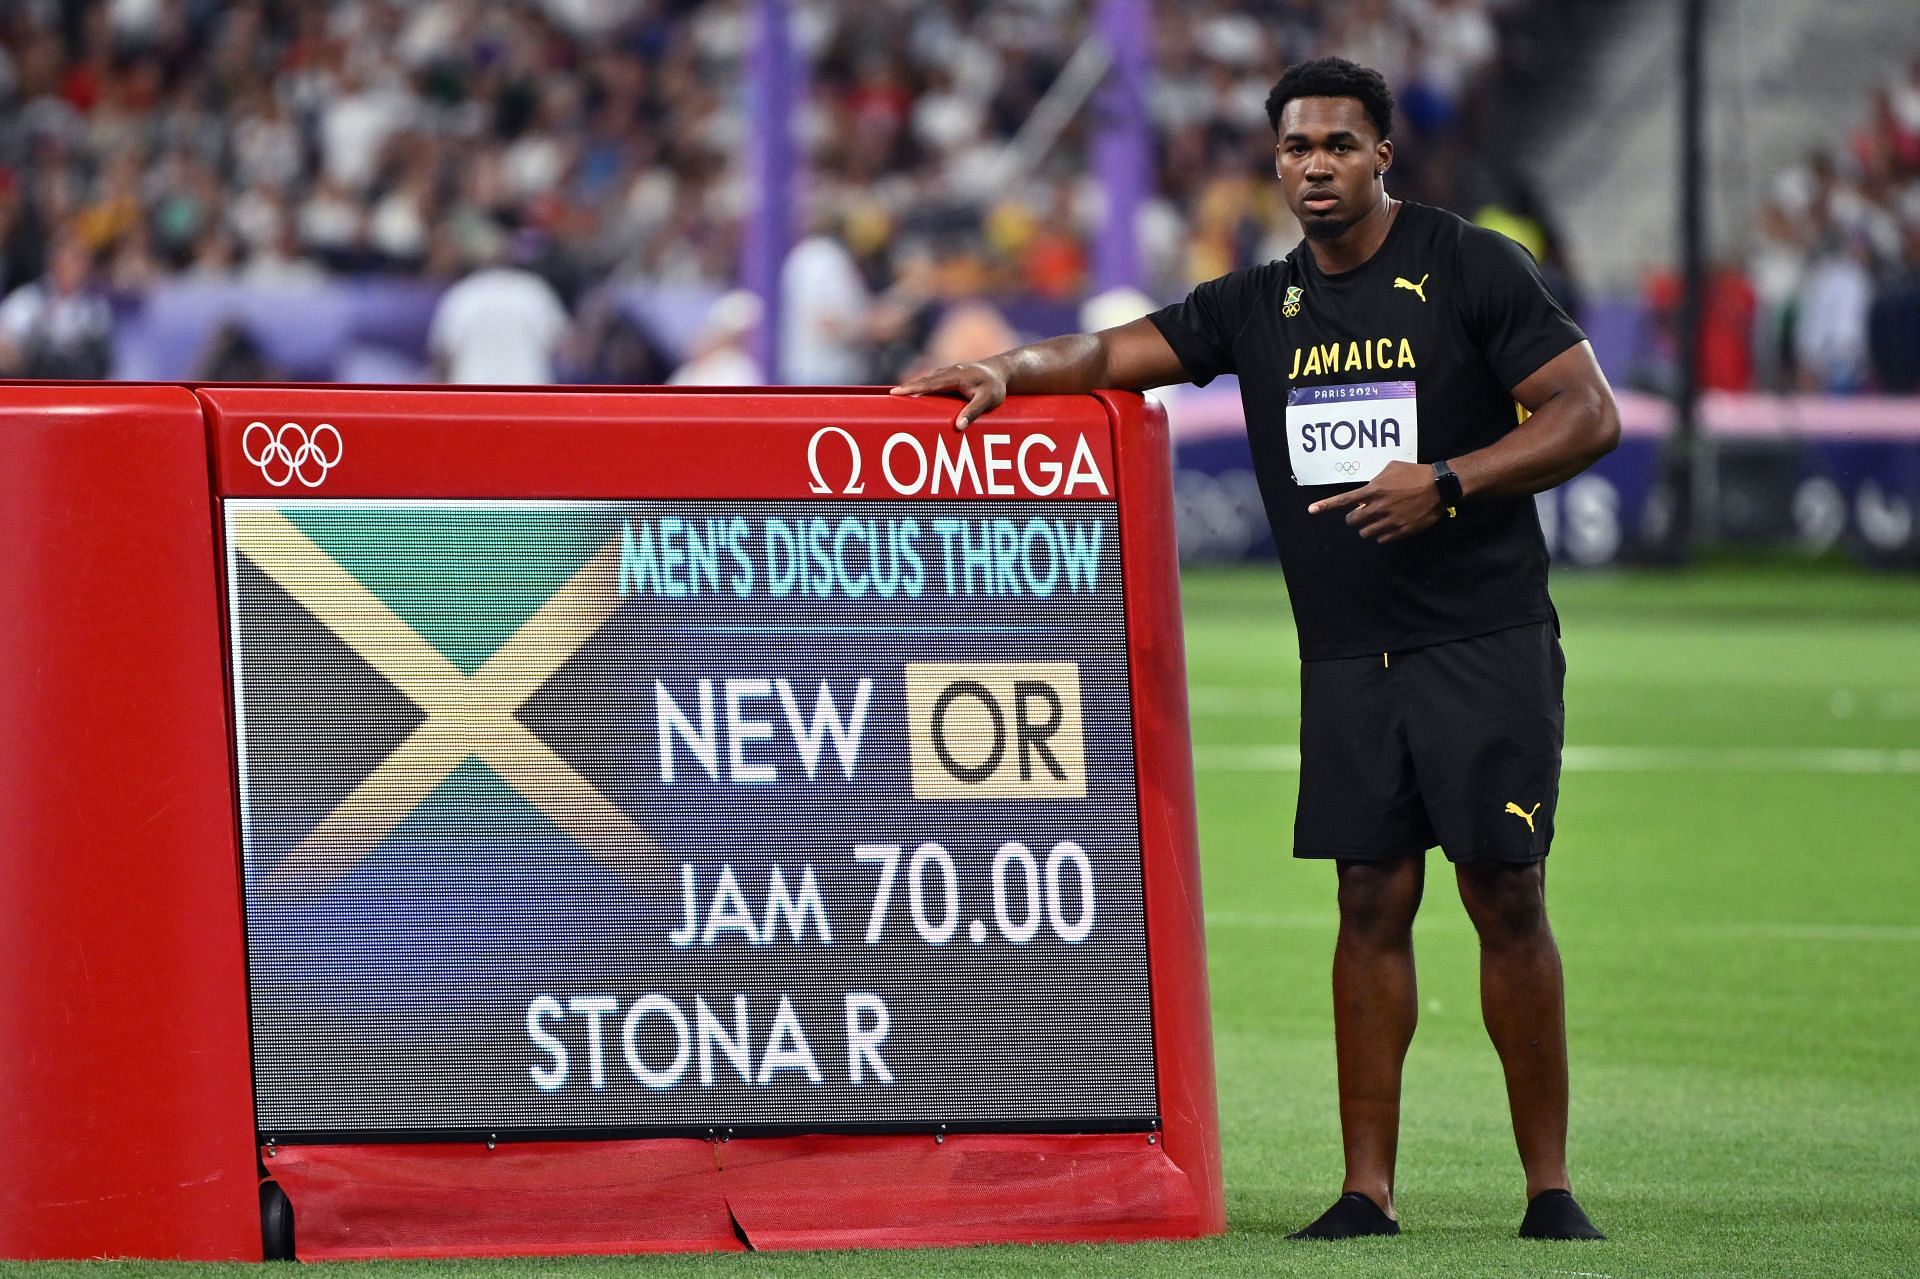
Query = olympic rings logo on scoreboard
x=292 y=452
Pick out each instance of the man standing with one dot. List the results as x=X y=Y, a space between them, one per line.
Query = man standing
x=1380 y=363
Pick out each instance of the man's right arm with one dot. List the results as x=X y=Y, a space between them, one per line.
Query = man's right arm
x=1132 y=357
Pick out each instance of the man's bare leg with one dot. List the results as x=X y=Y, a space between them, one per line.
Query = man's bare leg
x=1523 y=1002
x=1375 y=1008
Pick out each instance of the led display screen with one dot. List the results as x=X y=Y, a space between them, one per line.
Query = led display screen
x=584 y=817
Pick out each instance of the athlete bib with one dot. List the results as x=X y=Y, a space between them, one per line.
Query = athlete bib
x=1347 y=434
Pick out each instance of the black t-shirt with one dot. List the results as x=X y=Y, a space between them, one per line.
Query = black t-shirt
x=1414 y=352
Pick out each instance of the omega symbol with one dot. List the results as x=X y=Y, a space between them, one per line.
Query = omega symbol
x=820 y=484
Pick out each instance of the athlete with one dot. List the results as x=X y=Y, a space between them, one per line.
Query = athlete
x=1380 y=364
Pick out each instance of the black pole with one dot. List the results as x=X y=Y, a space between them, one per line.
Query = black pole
x=1682 y=455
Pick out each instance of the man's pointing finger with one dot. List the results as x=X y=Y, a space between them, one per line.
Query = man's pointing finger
x=1339 y=500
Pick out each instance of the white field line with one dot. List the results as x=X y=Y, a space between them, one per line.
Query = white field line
x=1260 y=701
x=1264 y=921
x=1819 y=932
x=1226 y=699
x=1268 y=921
x=1625 y=759
x=1260 y=921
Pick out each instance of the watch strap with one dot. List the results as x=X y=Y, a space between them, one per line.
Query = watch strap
x=1451 y=494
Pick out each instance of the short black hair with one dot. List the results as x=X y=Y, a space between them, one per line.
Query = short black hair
x=1333 y=78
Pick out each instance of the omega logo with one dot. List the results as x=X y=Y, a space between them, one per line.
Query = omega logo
x=978 y=464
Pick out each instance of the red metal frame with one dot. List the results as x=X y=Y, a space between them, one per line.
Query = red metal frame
x=359 y=1201
x=663 y=443
x=127 y=1082
x=1169 y=833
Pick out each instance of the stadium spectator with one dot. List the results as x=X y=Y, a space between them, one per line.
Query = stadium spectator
x=59 y=326
x=235 y=355
x=616 y=349
x=966 y=332
x=720 y=356
x=1726 y=329
x=277 y=262
x=502 y=325
x=1775 y=268
x=1904 y=96
x=1830 y=340
x=824 y=315
x=1893 y=323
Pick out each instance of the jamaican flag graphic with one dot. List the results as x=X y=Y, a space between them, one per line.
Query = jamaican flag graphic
x=431 y=637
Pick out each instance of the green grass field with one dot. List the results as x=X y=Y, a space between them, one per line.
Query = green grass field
x=1736 y=888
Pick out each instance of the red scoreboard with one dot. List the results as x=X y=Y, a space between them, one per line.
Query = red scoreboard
x=512 y=822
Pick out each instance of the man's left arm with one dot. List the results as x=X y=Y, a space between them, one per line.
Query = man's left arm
x=1572 y=422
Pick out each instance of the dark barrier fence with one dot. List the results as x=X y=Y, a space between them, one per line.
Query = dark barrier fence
x=1803 y=473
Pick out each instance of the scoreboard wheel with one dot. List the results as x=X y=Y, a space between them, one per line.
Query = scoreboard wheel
x=276 y=1223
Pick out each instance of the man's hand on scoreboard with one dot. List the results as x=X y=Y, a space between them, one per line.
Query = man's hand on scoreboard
x=980 y=385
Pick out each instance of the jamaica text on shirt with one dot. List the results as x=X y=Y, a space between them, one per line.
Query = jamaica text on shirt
x=1352 y=357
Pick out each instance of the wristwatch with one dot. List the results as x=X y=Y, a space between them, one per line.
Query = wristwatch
x=1449 y=485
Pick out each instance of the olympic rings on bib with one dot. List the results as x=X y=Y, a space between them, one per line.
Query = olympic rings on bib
x=292 y=453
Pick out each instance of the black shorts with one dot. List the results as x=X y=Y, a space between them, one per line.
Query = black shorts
x=1457 y=744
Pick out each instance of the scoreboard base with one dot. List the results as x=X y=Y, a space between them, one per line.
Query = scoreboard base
x=371 y=1202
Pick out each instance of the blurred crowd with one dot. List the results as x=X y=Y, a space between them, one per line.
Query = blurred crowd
x=279 y=143
x=1828 y=299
